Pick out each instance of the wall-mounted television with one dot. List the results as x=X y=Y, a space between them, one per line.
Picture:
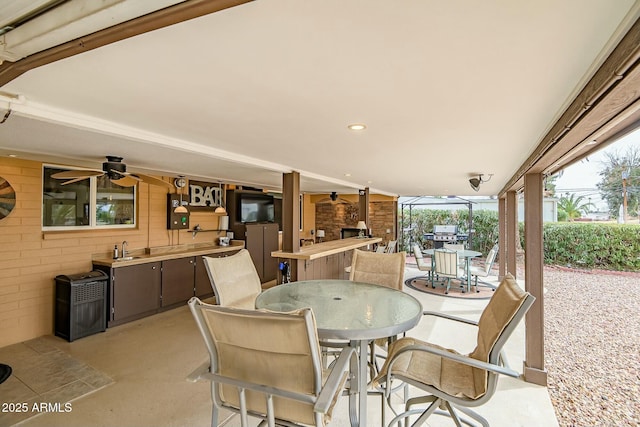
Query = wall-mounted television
x=255 y=207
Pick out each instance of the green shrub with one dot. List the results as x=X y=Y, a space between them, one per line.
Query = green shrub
x=603 y=246
x=580 y=245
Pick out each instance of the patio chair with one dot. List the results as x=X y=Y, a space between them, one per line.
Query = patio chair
x=391 y=246
x=450 y=379
x=483 y=271
x=447 y=266
x=420 y=261
x=234 y=279
x=379 y=269
x=267 y=365
x=456 y=247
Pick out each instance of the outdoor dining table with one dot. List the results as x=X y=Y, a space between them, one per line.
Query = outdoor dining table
x=353 y=311
x=466 y=253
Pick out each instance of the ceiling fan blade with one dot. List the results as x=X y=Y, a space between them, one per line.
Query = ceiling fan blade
x=125 y=181
x=79 y=173
x=150 y=180
x=75 y=180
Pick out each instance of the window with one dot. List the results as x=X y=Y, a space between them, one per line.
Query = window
x=94 y=202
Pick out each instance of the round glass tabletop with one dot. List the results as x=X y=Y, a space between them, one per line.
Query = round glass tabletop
x=347 y=310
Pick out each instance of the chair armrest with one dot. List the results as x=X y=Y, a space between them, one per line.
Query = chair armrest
x=335 y=380
x=199 y=372
x=458 y=358
x=447 y=316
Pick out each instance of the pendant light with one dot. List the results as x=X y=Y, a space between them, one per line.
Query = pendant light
x=221 y=209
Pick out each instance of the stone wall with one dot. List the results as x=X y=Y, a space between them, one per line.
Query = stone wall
x=332 y=217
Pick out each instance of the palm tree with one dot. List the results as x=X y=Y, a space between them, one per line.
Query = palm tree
x=573 y=206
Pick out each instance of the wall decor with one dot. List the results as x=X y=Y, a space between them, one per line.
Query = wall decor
x=204 y=196
x=7 y=198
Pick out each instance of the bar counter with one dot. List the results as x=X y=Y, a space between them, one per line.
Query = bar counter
x=325 y=260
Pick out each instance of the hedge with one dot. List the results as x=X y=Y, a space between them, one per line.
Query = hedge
x=581 y=245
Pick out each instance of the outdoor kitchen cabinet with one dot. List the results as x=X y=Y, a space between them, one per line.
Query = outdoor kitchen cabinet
x=261 y=240
x=134 y=293
x=178 y=277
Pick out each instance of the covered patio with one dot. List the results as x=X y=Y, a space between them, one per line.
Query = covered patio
x=265 y=94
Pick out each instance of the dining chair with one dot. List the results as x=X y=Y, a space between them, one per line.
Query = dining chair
x=483 y=271
x=234 y=279
x=267 y=365
x=455 y=381
x=447 y=266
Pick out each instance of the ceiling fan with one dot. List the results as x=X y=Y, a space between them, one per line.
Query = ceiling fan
x=115 y=170
x=333 y=198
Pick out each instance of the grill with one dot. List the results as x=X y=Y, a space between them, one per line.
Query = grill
x=445 y=234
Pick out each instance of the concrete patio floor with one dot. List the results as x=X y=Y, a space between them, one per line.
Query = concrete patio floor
x=149 y=360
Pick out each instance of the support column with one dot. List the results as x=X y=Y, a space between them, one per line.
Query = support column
x=534 y=370
x=291 y=212
x=511 y=218
x=502 y=237
x=363 y=206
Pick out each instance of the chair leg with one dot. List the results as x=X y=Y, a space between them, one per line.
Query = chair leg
x=214 y=416
x=474 y=415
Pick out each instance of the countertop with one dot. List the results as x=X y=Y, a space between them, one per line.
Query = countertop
x=324 y=249
x=143 y=256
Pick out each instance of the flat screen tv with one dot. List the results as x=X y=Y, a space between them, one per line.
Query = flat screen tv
x=255 y=208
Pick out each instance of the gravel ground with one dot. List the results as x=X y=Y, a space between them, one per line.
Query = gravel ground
x=592 y=346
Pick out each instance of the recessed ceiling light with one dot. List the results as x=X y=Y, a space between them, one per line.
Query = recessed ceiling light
x=13 y=155
x=357 y=126
x=347 y=174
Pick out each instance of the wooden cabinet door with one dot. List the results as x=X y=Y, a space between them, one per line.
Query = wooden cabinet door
x=135 y=291
x=203 y=288
x=178 y=277
x=270 y=244
x=255 y=245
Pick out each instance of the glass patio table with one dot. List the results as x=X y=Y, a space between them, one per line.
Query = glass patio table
x=353 y=311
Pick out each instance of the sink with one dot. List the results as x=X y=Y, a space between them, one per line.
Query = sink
x=127 y=258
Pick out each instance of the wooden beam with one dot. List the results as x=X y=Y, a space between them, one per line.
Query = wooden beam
x=159 y=19
x=291 y=212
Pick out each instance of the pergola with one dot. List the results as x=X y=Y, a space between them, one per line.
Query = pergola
x=426 y=201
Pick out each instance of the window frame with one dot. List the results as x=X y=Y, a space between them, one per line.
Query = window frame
x=93 y=204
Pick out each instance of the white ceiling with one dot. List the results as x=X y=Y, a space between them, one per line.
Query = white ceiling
x=447 y=89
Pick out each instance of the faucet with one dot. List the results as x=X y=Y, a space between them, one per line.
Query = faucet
x=124 y=249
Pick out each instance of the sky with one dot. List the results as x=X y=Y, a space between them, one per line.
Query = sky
x=581 y=178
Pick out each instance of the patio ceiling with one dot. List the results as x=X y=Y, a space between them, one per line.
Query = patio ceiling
x=447 y=90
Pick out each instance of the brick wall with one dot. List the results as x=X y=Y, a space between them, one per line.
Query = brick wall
x=30 y=259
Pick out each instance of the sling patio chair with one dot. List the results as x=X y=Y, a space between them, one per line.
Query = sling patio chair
x=483 y=271
x=267 y=365
x=420 y=261
x=234 y=279
x=447 y=267
x=454 y=381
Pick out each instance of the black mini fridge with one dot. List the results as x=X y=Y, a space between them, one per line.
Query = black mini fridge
x=81 y=304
